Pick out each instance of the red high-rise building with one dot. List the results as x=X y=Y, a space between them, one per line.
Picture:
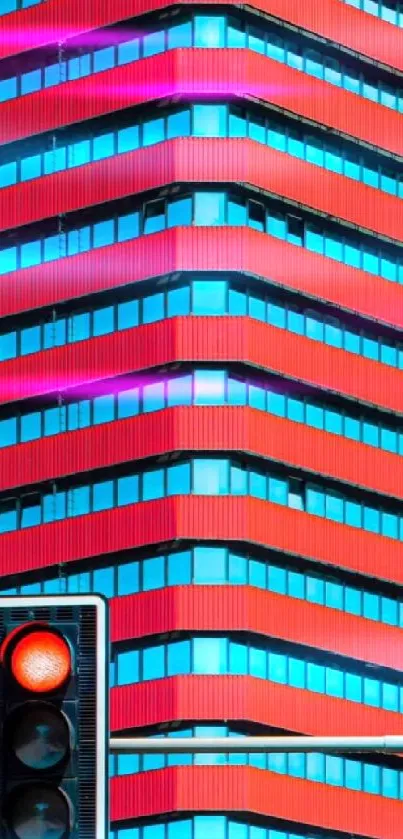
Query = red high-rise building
x=201 y=260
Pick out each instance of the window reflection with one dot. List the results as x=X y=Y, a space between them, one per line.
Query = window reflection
x=211 y=565
x=210 y=655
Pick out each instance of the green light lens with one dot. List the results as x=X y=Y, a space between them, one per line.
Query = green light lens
x=39 y=812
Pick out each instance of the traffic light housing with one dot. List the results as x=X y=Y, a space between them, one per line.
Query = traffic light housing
x=54 y=727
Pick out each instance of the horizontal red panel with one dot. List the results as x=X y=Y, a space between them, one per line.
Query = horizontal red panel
x=245 y=699
x=213 y=71
x=244 y=789
x=204 y=160
x=203 y=339
x=203 y=249
x=60 y=19
x=246 y=609
x=223 y=429
x=345 y=25
x=200 y=518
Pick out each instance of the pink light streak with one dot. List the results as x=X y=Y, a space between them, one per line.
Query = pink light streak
x=80 y=386
x=35 y=38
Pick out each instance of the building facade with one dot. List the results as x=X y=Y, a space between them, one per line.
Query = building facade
x=201 y=355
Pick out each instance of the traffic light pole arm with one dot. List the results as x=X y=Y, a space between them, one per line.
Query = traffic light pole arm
x=245 y=745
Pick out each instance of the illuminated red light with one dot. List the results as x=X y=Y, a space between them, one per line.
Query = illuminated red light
x=41 y=661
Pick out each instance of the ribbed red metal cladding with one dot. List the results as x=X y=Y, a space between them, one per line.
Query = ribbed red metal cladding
x=205 y=339
x=246 y=789
x=345 y=25
x=200 y=518
x=212 y=71
x=202 y=249
x=222 y=429
x=237 y=609
x=221 y=788
x=205 y=160
x=245 y=699
x=339 y=23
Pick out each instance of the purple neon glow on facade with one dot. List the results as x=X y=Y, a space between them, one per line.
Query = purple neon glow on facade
x=32 y=38
x=79 y=386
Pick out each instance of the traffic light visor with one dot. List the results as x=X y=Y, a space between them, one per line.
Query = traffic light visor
x=40 y=660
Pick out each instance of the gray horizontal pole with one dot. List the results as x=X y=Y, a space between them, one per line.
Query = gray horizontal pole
x=245 y=745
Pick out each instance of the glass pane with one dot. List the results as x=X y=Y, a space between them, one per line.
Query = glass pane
x=180 y=35
x=178 y=124
x=179 y=658
x=209 y=387
x=104 y=409
x=178 y=301
x=209 y=655
x=154 y=662
x=209 y=31
x=30 y=340
x=154 y=217
x=209 y=208
x=179 y=568
x=153 y=484
x=8 y=174
x=103 y=582
x=209 y=298
x=209 y=565
x=103 y=146
x=103 y=320
x=103 y=496
x=153 y=573
x=153 y=43
x=209 y=120
x=315 y=677
x=179 y=391
x=8 y=89
x=103 y=233
x=178 y=479
x=31 y=167
x=30 y=254
x=30 y=82
x=104 y=59
x=8 y=432
x=128 y=578
x=153 y=132
x=128 y=51
x=30 y=426
x=128 y=490
x=128 y=139
x=153 y=397
x=31 y=510
x=210 y=477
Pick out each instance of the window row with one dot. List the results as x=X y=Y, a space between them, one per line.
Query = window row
x=203 y=387
x=215 y=827
x=218 y=31
x=336 y=771
x=200 y=476
x=212 y=655
x=389 y=10
x=208 y=120
x=212 y=565
x=16 y=5
x=209 y=209
x=211 y=296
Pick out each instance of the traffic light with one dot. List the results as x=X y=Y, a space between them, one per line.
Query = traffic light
x=54 y=731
